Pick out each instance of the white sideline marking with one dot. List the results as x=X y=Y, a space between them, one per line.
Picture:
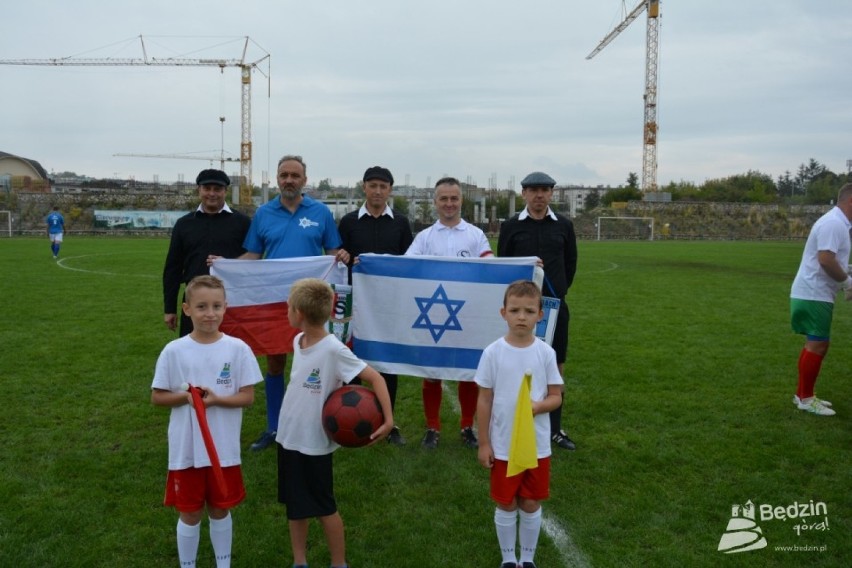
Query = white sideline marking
x=568 y=551
x=61 y=264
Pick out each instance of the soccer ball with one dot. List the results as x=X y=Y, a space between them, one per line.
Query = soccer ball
x=351 y=414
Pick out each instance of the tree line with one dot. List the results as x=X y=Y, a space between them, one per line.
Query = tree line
x=813 y=184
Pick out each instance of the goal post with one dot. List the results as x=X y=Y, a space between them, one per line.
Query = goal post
x=5 y=223
x=635 y=228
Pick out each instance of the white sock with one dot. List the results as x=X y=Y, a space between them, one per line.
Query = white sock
x=187 y=542
x=528 y=534
x=221 y=536
x=506 y=523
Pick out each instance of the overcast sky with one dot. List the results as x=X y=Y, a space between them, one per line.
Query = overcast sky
x=470 y=88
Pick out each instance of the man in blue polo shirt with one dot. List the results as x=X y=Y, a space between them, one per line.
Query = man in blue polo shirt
x=292 y=225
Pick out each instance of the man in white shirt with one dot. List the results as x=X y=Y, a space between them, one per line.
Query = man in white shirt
x=450 y=236
x=822 y=273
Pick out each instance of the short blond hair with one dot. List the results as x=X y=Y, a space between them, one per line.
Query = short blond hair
x=203 y=281
x=313 y=298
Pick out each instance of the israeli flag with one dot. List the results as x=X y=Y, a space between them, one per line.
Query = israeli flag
x=431 y=316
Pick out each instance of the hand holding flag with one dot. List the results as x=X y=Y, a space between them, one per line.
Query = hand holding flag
x=201 y=413
x=522 y=449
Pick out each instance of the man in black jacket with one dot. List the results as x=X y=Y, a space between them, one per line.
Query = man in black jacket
x=378 y=228
x=212 y=229
x=539 y=231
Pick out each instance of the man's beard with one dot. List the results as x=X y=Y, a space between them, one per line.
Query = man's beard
x=289 y=192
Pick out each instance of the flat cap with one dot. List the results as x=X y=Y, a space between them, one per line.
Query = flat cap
x=538 y=179
x=380 y=173
x=213 y=177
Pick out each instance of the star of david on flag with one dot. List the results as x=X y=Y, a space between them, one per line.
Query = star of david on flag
x=425 y=322
x=430 y=316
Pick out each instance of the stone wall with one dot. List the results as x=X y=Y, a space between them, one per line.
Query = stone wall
x=30 y=209
x=702 y=220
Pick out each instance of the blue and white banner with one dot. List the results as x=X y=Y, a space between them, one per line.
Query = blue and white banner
x=431 y=316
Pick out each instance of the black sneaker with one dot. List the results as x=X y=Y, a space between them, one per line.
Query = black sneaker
x=266 y=439
x=509 y=565
x=469 y=438
x=528 y=564
x=395 y=437
x=562 y=440
x=430 y=440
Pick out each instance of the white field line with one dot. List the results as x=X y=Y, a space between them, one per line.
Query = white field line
x=612 y=266
x=61 y=264
x=569 y=552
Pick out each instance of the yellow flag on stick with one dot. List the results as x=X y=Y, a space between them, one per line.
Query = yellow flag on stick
x=522 y=450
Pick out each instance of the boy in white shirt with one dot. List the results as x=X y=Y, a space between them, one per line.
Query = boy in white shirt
x=321 y=364
x=499 y=374
x=225 y=370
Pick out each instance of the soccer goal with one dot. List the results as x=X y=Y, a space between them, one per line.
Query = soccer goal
x=626 y=228
x=5 y=223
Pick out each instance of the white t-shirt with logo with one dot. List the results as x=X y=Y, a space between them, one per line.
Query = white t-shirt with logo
x=225 y=367
x=317 y=371
x=463 y=240
x=502 y=369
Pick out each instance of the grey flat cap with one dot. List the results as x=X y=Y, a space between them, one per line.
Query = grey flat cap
x=538 y=179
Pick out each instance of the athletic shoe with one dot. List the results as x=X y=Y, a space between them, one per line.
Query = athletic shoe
x=562 y=440
x=797 y=400
x=509 y=565
x=395 y=437
x=815 y=406
x=266 y=439
x=528 y=565
x=430 y=440
x=469 y=438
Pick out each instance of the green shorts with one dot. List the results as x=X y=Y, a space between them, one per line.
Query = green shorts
x=811 y=318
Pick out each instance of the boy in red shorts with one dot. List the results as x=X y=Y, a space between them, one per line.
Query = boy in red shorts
x=499 y=374
x=225 y=369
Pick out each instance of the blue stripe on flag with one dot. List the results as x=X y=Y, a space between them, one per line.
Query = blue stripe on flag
x=444 y=357
x=420 y=268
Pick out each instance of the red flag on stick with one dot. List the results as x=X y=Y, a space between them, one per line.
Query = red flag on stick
x=201 y=413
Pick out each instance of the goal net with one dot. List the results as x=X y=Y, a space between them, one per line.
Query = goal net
x=625 y=228
x=5 y=223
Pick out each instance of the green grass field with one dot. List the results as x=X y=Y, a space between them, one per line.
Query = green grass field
x=679 y=380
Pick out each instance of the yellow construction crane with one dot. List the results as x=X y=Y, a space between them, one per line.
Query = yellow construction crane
x=210 y=159
x=649 y=135
x=245 y=66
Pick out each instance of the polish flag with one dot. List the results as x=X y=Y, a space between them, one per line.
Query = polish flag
x=257 y=292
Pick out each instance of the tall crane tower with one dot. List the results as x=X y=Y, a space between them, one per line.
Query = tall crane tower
x=245 y=66
x=652 y=49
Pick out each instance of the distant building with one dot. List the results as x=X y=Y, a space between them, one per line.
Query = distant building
x=572 y=199
x=22 y=174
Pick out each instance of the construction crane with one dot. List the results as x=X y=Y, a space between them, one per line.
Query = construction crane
x=246 y=67
x=211 y=159
x=652 y=48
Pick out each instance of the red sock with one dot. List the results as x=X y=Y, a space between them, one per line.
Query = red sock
x=809 y=364
x=432 y=394
x=468 y=394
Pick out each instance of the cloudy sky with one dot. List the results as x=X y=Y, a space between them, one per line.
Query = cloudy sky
x=479 y=89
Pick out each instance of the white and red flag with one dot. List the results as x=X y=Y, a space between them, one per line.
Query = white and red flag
x=257 y=292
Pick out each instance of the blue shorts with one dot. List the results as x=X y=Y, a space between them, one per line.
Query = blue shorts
x=811 y=318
